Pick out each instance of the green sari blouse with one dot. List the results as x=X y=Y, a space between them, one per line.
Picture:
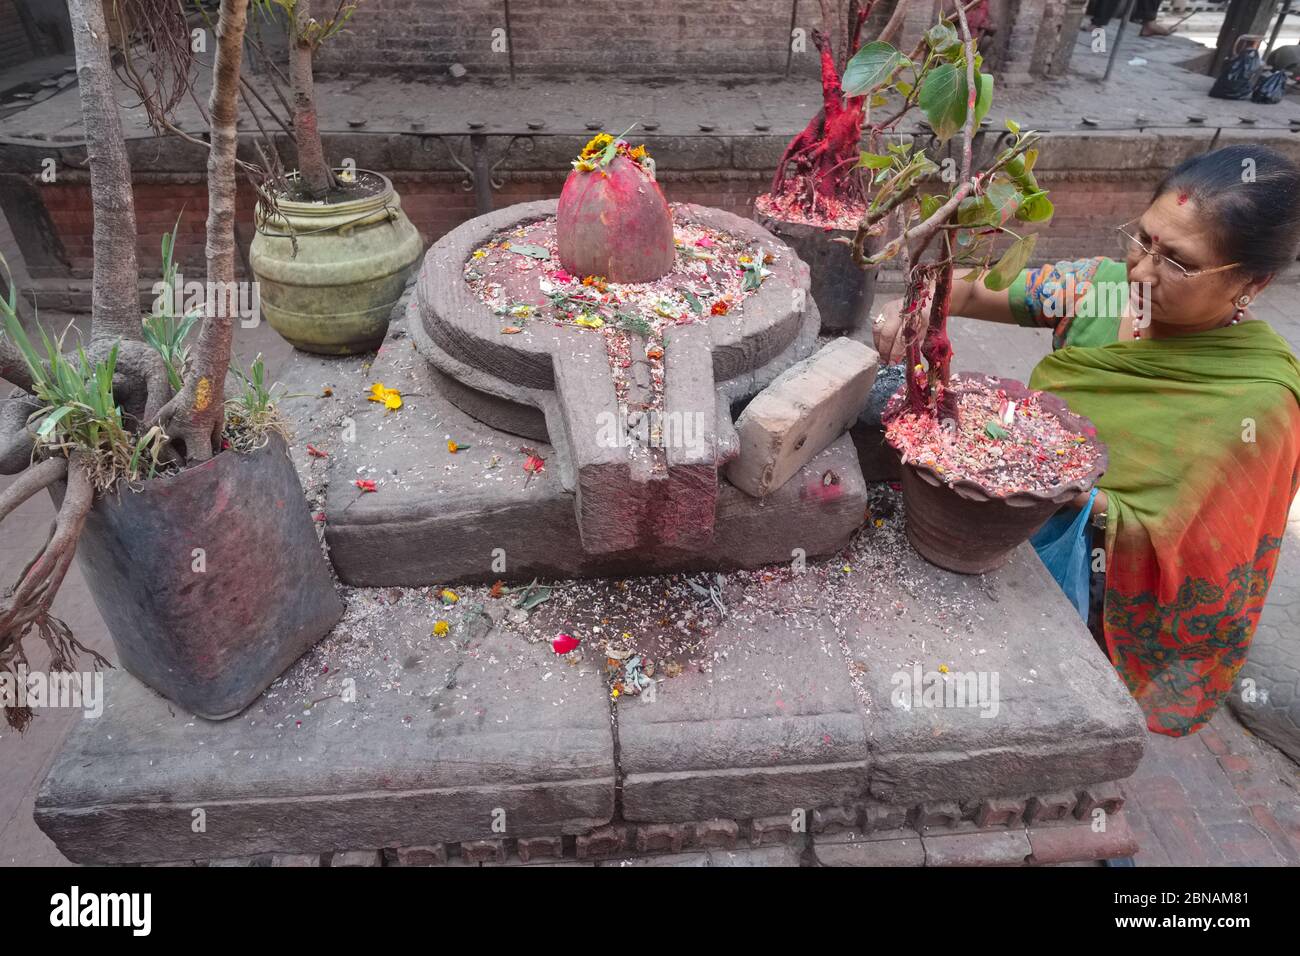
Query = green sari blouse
x=1039 y=300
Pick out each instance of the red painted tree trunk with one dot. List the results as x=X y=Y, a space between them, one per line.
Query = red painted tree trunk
x=817 y=168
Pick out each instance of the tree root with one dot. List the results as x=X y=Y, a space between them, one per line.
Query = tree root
x=16 y=439
x=26 y=605
x=34 y=479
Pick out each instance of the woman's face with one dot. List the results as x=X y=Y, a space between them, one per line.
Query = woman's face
x=1180 y=230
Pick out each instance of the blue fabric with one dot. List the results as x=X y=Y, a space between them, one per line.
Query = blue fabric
x=1062 y=544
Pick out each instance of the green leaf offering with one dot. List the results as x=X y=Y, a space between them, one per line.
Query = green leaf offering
x=995 y=431
x=533 y=252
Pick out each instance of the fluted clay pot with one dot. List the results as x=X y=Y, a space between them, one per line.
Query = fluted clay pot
x=963 y=526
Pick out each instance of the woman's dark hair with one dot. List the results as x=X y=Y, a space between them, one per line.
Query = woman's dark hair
x=1251 y=197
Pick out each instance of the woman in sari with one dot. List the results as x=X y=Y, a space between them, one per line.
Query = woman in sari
x=1198 y=402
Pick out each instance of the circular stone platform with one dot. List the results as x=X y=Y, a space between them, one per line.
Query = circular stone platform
x=635 y=398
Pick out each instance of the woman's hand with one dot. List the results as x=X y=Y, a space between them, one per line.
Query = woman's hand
x=1099 y=504
x=887 y=331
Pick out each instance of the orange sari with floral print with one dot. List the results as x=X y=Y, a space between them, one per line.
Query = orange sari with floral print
x=1203 y=433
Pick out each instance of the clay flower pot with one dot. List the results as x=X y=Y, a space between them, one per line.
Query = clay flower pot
x=963 y=526
x=329 y=273
x=212 y=581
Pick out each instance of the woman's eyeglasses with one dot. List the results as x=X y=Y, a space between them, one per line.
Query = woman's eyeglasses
x=1132 y=246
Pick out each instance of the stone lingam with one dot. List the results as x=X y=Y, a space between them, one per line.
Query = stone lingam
x=622 y=384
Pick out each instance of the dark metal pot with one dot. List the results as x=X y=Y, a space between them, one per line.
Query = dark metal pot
x=842 y=289
x=211 y=640
x=963 y=526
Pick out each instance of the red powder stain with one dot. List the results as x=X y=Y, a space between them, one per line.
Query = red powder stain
x=821 y=492
x=1182 y=198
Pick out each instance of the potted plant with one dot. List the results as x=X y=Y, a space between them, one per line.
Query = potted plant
x=985 y=461
x=194 y=534
x=333 y=248
x=817 y=191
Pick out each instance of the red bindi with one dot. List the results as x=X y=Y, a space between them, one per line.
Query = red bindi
x=1182 y=198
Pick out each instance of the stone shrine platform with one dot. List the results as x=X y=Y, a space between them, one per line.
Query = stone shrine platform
x=776 y=716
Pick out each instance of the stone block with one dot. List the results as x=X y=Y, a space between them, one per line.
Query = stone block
x=999 y=812
x=717 y=834
x=1058 y=716
x=1107 y=796
x=667 y=859
x=1049 y=807
x=902 y=852
x=764 y=831
x=433 y=855
x=884 y=816
x=662 y=837
x=984 y=848
x=780 y=856
x=531 y=849
x=602 y=842
x=380 y=771
x=807 y=407
x=937 y=814
x=724 y=744
x=1079 y=842
x=483 y=851
x=296 y=859
x=835 y=819
x=352 y=858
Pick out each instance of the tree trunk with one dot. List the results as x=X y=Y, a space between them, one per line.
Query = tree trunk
x=115 y=303
x=195 y=426
x=315 y=173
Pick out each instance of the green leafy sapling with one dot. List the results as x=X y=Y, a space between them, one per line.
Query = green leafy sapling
x=967 y=212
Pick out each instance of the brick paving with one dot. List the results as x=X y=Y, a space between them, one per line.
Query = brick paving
x=1221 y=797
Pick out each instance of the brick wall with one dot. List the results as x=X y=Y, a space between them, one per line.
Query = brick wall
x=674 y=37
x=70 y=225
x=586 y=36
x=1095 y=181
x=1088 y=205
